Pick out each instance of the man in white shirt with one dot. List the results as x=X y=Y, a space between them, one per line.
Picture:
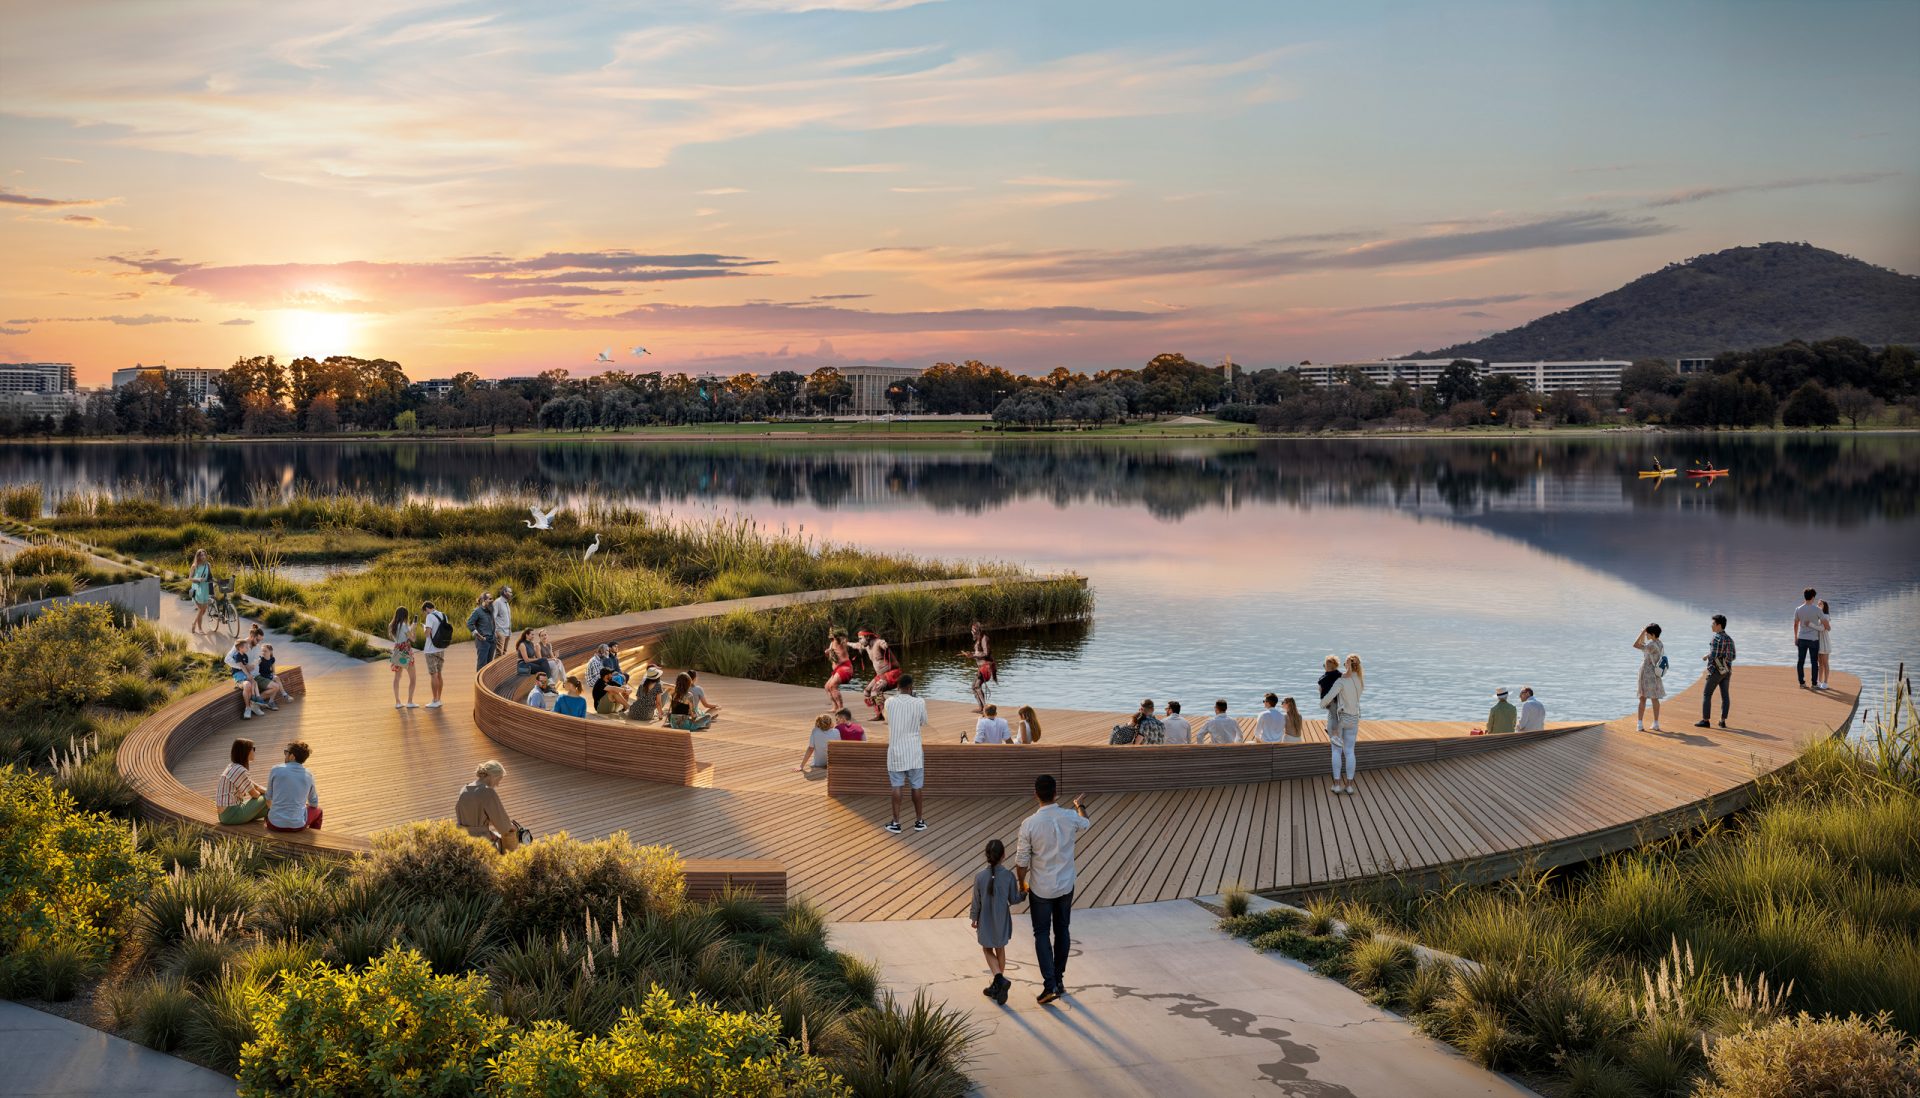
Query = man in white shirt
x=1219 y=728
x=1533 y=712
x=1043 y=864
x=543 y=694
x=431 y=620
x=240 y=665
x=992 y=727
x=502 y=621
x=1174 y=727
x=1271 y=725
x=906 y=720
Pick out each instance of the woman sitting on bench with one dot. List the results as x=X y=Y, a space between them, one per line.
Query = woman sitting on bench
x=239 y=798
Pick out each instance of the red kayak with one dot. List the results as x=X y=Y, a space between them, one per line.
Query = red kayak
x=1708 y=472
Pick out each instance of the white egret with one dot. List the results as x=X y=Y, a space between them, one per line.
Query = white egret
x=592 y=549
x=541 y=520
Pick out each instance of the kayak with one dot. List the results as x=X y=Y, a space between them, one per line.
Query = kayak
x=1708 y=472
x=1655 y=474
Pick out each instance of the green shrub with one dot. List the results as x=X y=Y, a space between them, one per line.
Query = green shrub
x=1236 y=899
x=1382 y=965
x=154 y=1012
x=216 y=894
x=1595 y=1075
x=690 y=1051
x=69 y=875
x=132 y=691
x=1430 y=982
x=1808 y=1057
x=861 y=977
x=203 y=956
x=454 y=934
x=1262 y=922
x=429 y=859
x=96 y=784
x=63 y=656
x=1664 y=1054
x=392 y=1029
x=22 y=502
x=269 y=960
x=360 y=938
x=49 y=558
x=1635 y=903
x=920 y=1050
x=51 y=971
x=222 y=1024
x=299 y=899
x=556 y=882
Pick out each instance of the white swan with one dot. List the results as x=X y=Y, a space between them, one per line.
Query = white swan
x=541 y=520
x=592 y=549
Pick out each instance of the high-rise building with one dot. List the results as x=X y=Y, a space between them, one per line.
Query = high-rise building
x=203 y=383
x=36 y=377
x=871 y=383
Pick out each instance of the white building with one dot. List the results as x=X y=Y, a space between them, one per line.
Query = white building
x=36 y=377
x=203 y=383
x=435 y=386
x=870 y=385
x=1541 y=377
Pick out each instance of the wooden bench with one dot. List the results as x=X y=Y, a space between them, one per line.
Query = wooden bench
x=147 y=756
x=859 y=767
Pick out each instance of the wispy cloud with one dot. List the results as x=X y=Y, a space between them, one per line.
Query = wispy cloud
x=14 y=331
x=812 y=319
x=128 y=321
x=1263 y=259
x=825 y=5
x=1701 y=194
x=11 y=197
x=88 y=221
x=236 y=322
x=861 y=169
x=366 y=286
x=1443 y=303
x=931 y=188
x=723 y=190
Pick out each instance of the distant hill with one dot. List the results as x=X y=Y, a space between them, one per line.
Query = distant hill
x=1728 y=301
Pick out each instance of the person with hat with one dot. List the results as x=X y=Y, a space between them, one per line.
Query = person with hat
x=647 y=696
x=1500 y=719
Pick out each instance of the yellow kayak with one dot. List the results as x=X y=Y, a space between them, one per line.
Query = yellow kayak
x=1657 y=474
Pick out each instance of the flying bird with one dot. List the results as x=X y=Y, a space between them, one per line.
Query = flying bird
x=592 y=549
x=604 y=356
x=541 y=520
x=638 y=351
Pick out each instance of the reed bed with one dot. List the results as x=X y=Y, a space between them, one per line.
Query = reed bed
x=1625 y=976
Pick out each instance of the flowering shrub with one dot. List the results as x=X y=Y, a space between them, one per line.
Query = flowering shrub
x=392 y=1029
x=1808 y=1057
x=690 y=1051
x=65 y=876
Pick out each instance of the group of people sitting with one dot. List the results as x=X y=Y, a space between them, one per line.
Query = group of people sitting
x=1279 y=721
x=643 y=697
x=251 y=663
x=1531 y=716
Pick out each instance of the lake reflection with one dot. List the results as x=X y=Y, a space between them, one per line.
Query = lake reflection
x=1228 y=569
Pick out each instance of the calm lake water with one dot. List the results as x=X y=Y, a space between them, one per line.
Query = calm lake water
x=1225 y=570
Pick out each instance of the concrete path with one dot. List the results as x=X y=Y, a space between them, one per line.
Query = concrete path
x=47 y=1056
x=1161 y=1003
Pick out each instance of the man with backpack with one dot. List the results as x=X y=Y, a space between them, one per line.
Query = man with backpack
x=439 y=638
x=1719 y=661
x=480 y=624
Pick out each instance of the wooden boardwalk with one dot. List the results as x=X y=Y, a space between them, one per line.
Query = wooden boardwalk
x=1556 y=800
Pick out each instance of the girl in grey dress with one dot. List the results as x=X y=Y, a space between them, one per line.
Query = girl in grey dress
x=994 y=892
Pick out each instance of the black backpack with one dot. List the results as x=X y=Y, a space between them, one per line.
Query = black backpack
x=443 y=632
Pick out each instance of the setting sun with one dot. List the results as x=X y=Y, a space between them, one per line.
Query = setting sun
x=319 y=334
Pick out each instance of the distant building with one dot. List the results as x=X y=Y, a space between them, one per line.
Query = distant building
x=870 y=385
x=437 y=387
x=1693 y=365
x=1541 y=377
x=36 y=377
x=203 y=383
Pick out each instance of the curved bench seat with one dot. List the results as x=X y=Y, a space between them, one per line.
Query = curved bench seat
x=859 y=768
x=147 y=756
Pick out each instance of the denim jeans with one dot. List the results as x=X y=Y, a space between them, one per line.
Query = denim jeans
x=1716 y=680
x=1343 y=735
x=1051 y=941
x=1808 y=651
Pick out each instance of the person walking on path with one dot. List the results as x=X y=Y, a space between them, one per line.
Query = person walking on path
x=240 y=799
x=400 y=632
x=1653 y=672
x=1806 y=637
x=502 y=620
x=479 y=811
x=1342 y=703
x=1826 y=643
x=994 y=890
x=293 y=802
x=436 y=635
x=1043 y=864
x=1501 y=718
x=906 y=719
x=200 y=586
x=1719 y=661
x=480 y=624
x=1533 y=712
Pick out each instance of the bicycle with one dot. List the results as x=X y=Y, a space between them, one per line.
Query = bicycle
x=223 y=612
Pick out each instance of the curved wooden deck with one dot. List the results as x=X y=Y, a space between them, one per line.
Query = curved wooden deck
x=1554 y=800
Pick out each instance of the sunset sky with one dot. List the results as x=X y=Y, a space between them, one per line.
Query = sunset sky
x=768 y=184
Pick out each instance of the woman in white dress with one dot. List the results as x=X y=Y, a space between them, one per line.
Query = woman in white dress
x=1826 y=643
x=1653 y=655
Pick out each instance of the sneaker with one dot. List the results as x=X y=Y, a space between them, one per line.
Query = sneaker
x=1639 y=726
x=1723 y=724
x=991 y=989
x=1656 y=726
x=399 y=705
x=246 y=714
x=275 y=706
x=894 y=827
x=413 y=705
x=1047 y=995
x=999 y=993
x=919 y=825
x=431 y=705
x=1702 y=724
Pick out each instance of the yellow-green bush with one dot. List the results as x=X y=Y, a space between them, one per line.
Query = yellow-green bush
x=431 y=859
x=68 y=876
x=689 y=1051
x=393 y=1029
x=552 y=882
x=64 y=656
x=1808 y=1057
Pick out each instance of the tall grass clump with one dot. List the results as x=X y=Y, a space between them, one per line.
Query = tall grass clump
x=21 y=502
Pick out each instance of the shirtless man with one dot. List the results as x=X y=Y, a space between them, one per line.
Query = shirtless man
x=840 y=659
x=982 y=654
x=886 y=669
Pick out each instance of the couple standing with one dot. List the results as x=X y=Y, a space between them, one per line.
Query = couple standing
x=1340 y=696
x=1044 y=872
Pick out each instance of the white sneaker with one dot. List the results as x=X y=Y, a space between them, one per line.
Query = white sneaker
x=431 y=705
x=1639 y=726
x=246 y=714
x=411 y=705
x=1656 y=726
x=398 y=705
